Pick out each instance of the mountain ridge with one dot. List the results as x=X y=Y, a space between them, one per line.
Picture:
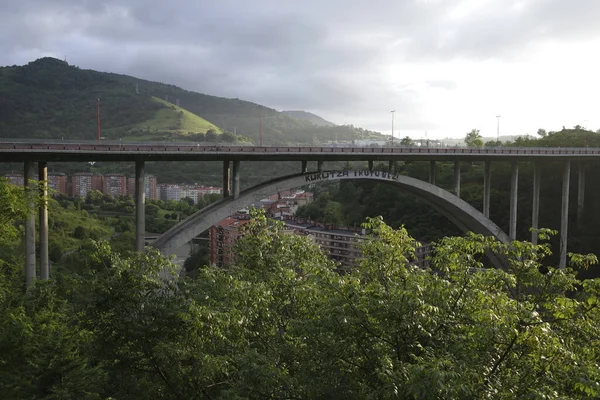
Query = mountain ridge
x=48 y=98
x=308 y=116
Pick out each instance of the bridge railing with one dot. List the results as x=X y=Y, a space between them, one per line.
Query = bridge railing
x=190 y=147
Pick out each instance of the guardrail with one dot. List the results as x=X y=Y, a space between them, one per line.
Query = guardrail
x=198 y=148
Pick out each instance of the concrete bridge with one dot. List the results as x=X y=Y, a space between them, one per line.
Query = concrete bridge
x=458 y=211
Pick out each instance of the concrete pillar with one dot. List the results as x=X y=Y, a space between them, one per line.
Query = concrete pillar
x=535 y=214
x=487 y=184
x=457 y=178
x=564 y=215
x=580 y=194
x=43 y=178
x=391 y=166
x=432 y=172
x=236 y=179
x=226 y=178
x=319 y=166
x=514 y=189
x=29 y=174
x=370 y=165
x=140 y=196
x=304 y=167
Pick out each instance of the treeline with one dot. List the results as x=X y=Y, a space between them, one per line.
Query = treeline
x=282 y=323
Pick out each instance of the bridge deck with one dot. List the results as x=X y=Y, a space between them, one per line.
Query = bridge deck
x=63 y=151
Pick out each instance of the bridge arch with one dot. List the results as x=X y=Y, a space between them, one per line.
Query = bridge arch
x=462 y=214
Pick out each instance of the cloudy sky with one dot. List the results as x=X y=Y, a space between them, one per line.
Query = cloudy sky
x=445 y=66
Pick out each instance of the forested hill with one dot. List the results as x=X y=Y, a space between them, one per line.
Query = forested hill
x=310 y=117
x=49 y=98
x=245 y=118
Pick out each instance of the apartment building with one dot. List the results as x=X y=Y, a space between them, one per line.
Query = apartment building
x=84 y=182
x=150 y=187
x=115 y=185
x=15 y=178
x=58 y=182
x=223 y=237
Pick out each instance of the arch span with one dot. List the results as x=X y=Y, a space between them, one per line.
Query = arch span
x=458 y=211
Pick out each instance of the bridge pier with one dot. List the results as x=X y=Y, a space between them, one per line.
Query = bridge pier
x=29 y=224
x=226 y=178
x=391 y=165
x=319 y=166
x=370 y=165
x=487 y=184
x=236 y=179
x=535 y=214
x=457 y=178
x=564 y=215
x=43 y=178
x=514 y=189
x=140 y=195
x=580 y=194
x=304 y=167
x=432 y=172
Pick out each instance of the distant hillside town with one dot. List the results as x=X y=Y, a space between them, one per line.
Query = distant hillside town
x=81 y=183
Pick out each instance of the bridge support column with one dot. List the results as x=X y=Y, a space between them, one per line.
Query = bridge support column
x=391 y=165
x=564 y=215
x=140 y=197
x=370 y=165
x=29 y=225
x=43 y=178
x=535 y=214
x=319 y=166
x=304 y=167
x=432 y=172
x=487 y=183
x=514 y=189
x=226 y=179
x=457 y=178
x=236 y=179
x=580 y=194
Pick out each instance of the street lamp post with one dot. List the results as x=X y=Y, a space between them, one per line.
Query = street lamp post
x=393 y=111
x=98 y=120
x=498 y=128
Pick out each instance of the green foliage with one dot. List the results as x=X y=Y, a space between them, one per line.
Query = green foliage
x=174 y=119
x=282 y=323
x=474 y=139
x=407 y=141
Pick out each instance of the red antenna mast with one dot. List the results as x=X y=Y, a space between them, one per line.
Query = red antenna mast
x=98 y=120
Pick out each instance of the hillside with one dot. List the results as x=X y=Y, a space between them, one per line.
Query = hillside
x=172 y=119
x=244 y=117
x=306 y=116
x=49 y=98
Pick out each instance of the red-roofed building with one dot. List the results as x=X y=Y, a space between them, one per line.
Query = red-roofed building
x=222 y=238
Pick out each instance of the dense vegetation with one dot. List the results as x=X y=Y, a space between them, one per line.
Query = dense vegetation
x=282 y=323
x=48 y=98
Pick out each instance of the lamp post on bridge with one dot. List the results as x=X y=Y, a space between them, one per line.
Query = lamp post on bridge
x=98 y=120
x=498 y=128
x=393 y=111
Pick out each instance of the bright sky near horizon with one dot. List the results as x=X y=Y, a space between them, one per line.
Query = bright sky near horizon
x=445 y=66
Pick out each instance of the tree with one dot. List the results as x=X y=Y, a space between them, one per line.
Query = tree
x=542 y=132
x=283 y=323
x=407 y=141
x=474 y=139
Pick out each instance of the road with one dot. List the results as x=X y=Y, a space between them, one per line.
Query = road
x=114 y=151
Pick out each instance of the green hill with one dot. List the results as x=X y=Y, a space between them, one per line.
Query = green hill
x=306 y=116
x=174 y=120
x=244 y=117
x=49 y=98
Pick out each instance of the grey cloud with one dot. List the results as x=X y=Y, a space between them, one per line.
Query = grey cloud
x=316 y=55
